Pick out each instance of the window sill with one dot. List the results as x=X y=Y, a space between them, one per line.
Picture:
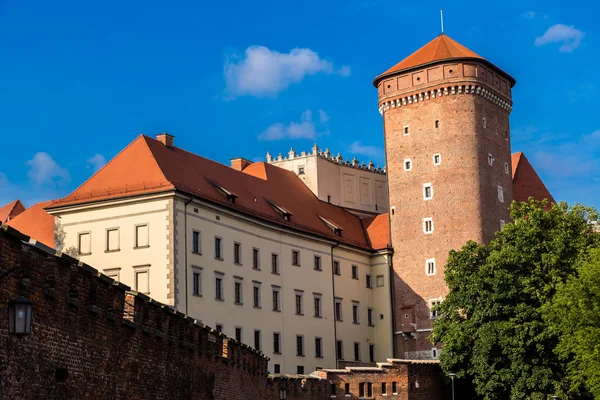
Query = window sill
x=196 y=295
x=238 y=304
x=258 y=307
x=218 y=299
x=296 y=265
x=300 y=355
x=355 y=278
x=338 y=274
x=318 y=269
x=218 y=258
x=275 y=273
x=194 y=252
x=237 y=263
x=84 y=254
x=300 y=314
x=356 y=323
x=339 y=320
x=256 y=269
x=141 y=247
x=371 y=325
x=318 y=356
x=276 y=310
x=277 y=352
x=318 y=316
x=112 y=251
x=369 y=287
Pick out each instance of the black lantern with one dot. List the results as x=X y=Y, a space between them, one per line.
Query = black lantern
x=19 y=317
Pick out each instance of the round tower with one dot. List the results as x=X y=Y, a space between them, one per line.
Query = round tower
x=447 y=141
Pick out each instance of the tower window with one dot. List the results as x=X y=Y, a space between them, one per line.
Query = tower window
x=500 y=194
x=428 y=225
x=434 y=353
x=437 y=123
x=506 y=169
x=430 y=267
x=437 y=159
x=300 y=170
x=393 y=210
x=407 y=164
x=490 y=159
x=502 y=223
x=484 y=123
x=406 y=131
x=433 y=313
x=427 y=191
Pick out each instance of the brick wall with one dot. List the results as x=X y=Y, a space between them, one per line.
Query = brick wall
x=92 y=338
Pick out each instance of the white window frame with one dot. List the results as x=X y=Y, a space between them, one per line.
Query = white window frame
x=432 y=302
x=409 y=163
x=484 y=121
x=502 y=223
x=490 y=159
x=435 y=354
x=440 y=159
x=110 y=272
x=106 y=235
x=79 y=234
x=500 y=194
x=430 y=260
x=425 y=186
x=137 y=240
x=140 y=269
x=379 y=278
x=406 y=130
x=425 y=220
x=506 y=169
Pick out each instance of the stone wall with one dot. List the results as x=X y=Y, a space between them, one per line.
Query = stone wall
x=93 y=338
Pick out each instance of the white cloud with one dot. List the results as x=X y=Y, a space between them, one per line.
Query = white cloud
x=366 y=150
x=567 y=36
x=43 y=170
x=96 y=162
x=528 y=14
x=264 y=73
x=305 y=129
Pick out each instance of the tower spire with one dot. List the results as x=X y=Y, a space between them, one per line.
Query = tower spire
x=442 y=19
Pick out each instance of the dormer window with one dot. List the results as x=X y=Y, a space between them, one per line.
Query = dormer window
x=283 y=213
x=333 y=227
x=229 y=196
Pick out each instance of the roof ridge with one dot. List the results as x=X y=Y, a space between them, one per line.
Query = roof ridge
x=437 y=48
x=154 y=158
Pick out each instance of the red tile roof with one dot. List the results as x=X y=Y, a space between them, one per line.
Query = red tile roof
x=36 y=223
x=526 y=182
x=148 y=166
x=11 y=210
x=441 y=48
x=378 y=231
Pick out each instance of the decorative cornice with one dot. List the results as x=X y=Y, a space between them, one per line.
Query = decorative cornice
x=446 y=91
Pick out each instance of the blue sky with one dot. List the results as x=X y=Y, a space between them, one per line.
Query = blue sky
x=80 y=80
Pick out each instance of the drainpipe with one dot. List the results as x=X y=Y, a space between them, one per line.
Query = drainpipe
x=334 y=320
x=393 y=303
x=186 y=253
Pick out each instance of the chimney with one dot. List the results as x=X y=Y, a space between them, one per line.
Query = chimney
x=165 y=139
x=239 y=163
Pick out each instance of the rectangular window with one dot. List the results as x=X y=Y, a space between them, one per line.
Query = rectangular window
x=347 y=388
x=219 y=328
x=370 y=317
x=437 y=159
x=427 y=191
x=256 y=295
x=361 y=389
x=433 y=313
x=300 y=170
x=407 y=164
x=141 y=236
x=355 y=272
x=237 y=253
x=339 y=350
x=369 y=281
x=356 y=351
x=500 y=194
x=427 y=225
x=371 y=353
x=114 y=273
x=219 y=288
x=238 y=334
x=299 y=303
x=196 y=283
x=84 y=243
x=318 y=347
x=434 y=353
x=430 y=266
x=112 y=239
x=484 y=123
x=218 y=248
x=300 y=369
x=196 y=242
x=394 y=388
x=369 y=389
x=274 y=263
x=295 y=257
x=379 y=281
x=317 y=306
x=276 y=343
x=336 y=267
x=318 y=263
x=276 y=302
x=502 y=223
x=255 y=259
x=506 y=168
x=238 y=292
x=437 y=123
x=142 y=281
x=406 y=132
x=257 y=339
x=299 y=345
x=276 y=369
x=338 y=309
x=355 y=313
x=490 y=159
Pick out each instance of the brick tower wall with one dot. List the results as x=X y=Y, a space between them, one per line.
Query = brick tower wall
x=465 y=204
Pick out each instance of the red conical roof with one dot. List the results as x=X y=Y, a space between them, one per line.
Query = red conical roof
x=439 y=49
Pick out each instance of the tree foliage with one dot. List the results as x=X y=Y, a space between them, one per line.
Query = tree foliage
x=492 y=322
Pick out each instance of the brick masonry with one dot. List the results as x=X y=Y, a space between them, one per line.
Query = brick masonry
x=465 y=204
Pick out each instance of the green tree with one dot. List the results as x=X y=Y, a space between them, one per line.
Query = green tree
x=574 y=315
x=491 y=322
